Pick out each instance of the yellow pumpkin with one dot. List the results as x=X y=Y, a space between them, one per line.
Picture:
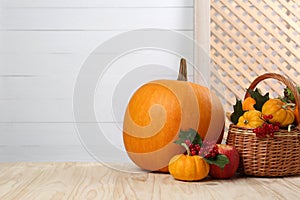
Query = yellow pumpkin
x=281 y=112
x=188 y=168
x=251 y=119
x=157 y=112
x=248 y=104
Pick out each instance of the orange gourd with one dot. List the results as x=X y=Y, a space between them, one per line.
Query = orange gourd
x=251 y=119
x=157 y=112
x=281 y=112
x=188 y=168
x=248 y=104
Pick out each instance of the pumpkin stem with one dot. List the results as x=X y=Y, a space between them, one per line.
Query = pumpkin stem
x=290 y=127
x=182 y=75
x=292 y=105
x=187 y=148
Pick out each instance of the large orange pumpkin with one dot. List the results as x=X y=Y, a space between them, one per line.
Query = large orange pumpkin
x=157 y=112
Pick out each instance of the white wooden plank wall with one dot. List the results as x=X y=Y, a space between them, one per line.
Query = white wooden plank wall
x=43 y=44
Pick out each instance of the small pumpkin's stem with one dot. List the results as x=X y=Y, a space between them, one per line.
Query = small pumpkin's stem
x=290 y=127
x=292 y=105
x=187 y=148
x=182 y=75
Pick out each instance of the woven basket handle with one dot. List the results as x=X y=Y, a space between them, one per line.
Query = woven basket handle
x=282 y=79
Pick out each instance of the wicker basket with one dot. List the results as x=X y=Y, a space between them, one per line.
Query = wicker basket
x=268 y=157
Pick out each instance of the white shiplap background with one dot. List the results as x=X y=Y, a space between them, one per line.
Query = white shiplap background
x=43 y=44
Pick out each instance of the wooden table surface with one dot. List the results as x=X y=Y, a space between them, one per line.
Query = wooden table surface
x=81 y=181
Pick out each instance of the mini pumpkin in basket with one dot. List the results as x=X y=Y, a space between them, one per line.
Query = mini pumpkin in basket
x=267 y=132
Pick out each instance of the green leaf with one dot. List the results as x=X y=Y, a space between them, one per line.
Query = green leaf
x=221 y=160
x=191 y=135
x=288 y=95
x=197 y=140
x=259 y=98
x=237 y=112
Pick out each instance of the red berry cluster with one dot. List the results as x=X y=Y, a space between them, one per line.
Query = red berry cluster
x=194 y=148
x=212 y=153
x=267 y=117
x=208 y=149
x=266 y=130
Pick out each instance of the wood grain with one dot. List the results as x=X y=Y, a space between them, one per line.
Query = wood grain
x=96 y=19
x=93 y=3
x=29 y=43
x=97 y=181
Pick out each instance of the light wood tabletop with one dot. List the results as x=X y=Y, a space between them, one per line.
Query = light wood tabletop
x=94 y=180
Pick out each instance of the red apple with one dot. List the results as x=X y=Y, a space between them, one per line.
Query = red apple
x=229 y=170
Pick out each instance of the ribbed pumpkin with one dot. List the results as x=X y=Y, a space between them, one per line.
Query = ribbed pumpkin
x=157 y=112
x=251 y=119
x=280 y=111
x=188 y=168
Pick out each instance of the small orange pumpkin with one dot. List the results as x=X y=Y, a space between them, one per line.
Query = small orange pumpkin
x=280 y=111
x=251 y=119
x=248 y=104
x=188 y=168
x=157 y=112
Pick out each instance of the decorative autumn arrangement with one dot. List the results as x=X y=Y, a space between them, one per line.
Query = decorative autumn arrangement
x=159 y=109
x=188 y=167
x=202 y=158
x=266 y=130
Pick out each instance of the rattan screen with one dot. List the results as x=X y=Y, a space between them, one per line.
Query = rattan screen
x=249 y=38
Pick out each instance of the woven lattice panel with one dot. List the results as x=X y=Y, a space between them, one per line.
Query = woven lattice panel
x=250 y=38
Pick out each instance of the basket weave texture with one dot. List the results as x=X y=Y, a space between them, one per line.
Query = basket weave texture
x=273 y=156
